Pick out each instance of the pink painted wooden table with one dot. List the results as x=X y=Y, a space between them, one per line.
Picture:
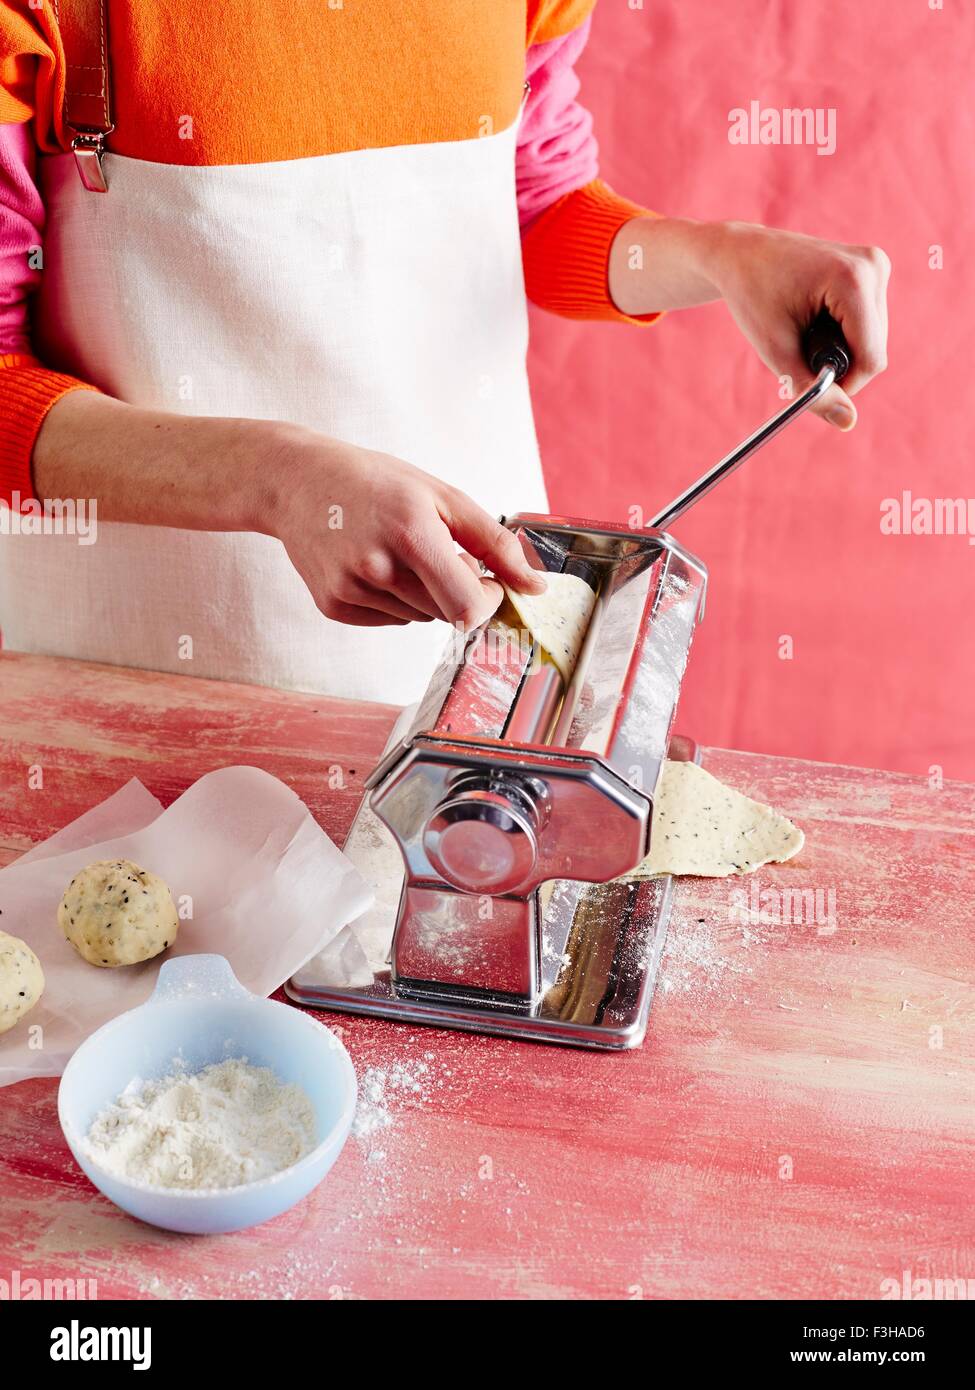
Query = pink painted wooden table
x=799 y=1122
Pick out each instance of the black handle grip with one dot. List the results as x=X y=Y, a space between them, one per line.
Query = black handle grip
x=824 y=346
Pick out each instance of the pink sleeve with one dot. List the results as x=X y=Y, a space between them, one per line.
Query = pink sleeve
x=21 y=220
x=557 y=151
x=27 y=388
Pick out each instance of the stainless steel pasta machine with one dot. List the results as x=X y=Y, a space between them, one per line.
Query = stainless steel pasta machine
x=499 y=826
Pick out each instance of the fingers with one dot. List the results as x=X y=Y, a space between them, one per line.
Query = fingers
x=492 y=589
x=357 y=616
x=421 y=577
x=799 y=277
x=490 y=542
x=859 y=307
x=471 y=563
x=411 y=589
x=353 y=599
x=426 y=550
x=352 y=592
x=414 y=571
x=390 y=601
x=783 y=356
x=857 y=299
x=411 y=592
x=836 y=408
x=493 y=593
x=384 y=584
x=858 y=302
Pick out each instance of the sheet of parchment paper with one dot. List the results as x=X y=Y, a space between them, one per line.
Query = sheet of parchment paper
x=358 y=952
x=253 y=876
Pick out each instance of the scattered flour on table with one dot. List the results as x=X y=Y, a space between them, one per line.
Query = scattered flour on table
x=692 y=958
x=413 y=1185
x=379 y=1090
x=703 y=956
x=401 y=1186
x=226 y=1125
x=706 y=958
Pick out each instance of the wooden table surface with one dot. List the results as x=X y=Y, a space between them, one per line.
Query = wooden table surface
x=798 y=1124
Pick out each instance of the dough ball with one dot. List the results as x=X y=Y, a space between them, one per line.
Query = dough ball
x=115 y=913
x=21 y=980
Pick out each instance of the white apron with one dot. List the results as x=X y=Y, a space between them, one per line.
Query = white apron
x=375 y=295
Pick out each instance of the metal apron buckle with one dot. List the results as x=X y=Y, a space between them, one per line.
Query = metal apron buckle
x=88 y=147
x=83 y=29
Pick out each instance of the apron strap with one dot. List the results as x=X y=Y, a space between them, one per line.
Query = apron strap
x=83 y=25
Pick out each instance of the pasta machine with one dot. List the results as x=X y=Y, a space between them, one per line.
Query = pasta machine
x=515 y=797
x=511 y=804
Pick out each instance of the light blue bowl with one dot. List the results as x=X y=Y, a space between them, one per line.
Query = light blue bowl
x=201 y=1013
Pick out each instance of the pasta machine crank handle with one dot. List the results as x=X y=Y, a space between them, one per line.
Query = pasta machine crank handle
x=828 y=355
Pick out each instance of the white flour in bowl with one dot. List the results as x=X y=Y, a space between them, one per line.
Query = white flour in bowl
x=226 y=1125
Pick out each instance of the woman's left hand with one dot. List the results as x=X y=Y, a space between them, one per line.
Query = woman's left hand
x=774 y=283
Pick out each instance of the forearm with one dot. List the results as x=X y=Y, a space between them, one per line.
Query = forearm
x=196 y=472
x=773 y=282
x=374 y=538
x=658 y=263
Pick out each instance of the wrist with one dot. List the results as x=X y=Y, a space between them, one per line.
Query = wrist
x=295 y=468
x=719 y=248
x=661 y=263
x=260 y=471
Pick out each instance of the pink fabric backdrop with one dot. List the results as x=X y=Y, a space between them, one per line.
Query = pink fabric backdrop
x=884 y=653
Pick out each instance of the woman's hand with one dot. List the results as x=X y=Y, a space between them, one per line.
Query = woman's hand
x=374 y=538
x=774 y=283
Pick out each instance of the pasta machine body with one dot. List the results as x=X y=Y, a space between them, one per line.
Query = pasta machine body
x=511 y=778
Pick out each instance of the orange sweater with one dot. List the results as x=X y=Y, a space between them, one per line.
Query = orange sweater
x=196 y=85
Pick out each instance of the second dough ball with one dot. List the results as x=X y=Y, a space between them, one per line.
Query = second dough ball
x=21 y=980
x=115 y=913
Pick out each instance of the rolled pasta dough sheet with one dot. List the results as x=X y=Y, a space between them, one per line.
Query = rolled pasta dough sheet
x=702 y=827
x=558 y=618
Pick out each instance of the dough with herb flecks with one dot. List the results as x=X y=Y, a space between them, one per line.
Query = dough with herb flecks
x=21 y=980
x=115 y=913
x=557 y=618
x=702 y=827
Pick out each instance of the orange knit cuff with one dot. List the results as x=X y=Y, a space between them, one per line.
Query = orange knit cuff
x=565 y=253
x=550 y=19
x=27 y=392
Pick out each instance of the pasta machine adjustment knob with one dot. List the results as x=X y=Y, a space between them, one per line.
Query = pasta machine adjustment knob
x=483 y=840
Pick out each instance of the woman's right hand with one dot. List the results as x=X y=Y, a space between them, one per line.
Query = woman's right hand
x=372 y=537
x=375 y=539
